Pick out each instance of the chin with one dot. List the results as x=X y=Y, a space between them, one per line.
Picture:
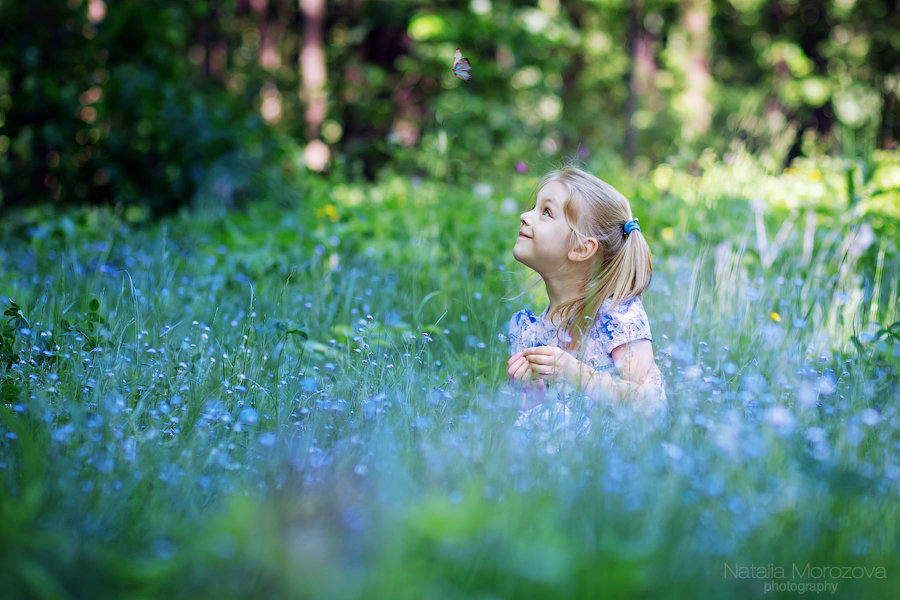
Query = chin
x=518 y=255
x=522 y=259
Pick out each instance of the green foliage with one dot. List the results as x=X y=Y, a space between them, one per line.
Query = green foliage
x=310 y=399
x=154 y=105
x=14 y=322
x=113 y=112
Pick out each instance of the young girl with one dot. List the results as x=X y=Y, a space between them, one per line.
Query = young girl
x=583 y=241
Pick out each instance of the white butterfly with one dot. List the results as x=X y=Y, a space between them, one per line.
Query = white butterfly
x=461 y=67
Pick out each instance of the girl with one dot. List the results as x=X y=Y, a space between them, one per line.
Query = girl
x=582 y=240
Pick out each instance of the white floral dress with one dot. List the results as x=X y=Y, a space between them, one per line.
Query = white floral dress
x=625 y=323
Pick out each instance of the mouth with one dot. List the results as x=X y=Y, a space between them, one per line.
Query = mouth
x=522 y=235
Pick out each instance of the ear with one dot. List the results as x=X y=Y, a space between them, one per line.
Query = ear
x=585 y=251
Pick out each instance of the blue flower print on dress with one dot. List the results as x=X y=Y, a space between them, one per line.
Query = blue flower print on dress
x=527 y=331
x=625 y=323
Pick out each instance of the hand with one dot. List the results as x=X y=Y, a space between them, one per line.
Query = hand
x=545 y=363
x=519 y=369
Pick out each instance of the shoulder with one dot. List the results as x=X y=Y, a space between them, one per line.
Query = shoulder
x=625 y=322
x=629 y=308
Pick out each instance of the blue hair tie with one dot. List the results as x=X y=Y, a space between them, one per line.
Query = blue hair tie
x=631 y=226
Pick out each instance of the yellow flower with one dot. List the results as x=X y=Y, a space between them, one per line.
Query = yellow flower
x=327 y=211
x=668 y=233
x=776 y=317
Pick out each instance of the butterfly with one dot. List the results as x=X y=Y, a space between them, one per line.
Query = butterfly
x=461 y=67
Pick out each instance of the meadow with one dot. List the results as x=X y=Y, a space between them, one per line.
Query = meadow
x=306 y=397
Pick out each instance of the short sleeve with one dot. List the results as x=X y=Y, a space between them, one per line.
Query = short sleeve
x=522 y=331
x=625 y=323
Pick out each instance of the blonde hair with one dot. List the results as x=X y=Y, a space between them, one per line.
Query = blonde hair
x=622 y=267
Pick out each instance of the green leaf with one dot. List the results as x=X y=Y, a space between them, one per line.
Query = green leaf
x=13 y=309
x=321 y=349
x=299 y=332
x=424 y=302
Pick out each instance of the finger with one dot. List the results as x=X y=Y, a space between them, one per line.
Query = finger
x=539 y=350
x=510 y=363
x=530 y=372
x=540 y=370
x=541 y=359
x=515 y=366
x=514 y=357
x=523 y=371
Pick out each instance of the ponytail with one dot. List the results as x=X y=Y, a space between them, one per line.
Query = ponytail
x=622 y=267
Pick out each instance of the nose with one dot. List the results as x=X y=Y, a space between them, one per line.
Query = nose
x=523 y=216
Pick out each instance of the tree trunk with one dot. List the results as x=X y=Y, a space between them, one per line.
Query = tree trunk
x=571 y=96
x=266 y=14
x=889 y=112
x=632 y=37
x=314 y=76
x=215 y=56
x=695 y=19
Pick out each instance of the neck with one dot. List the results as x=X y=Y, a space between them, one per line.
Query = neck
x=561 y=288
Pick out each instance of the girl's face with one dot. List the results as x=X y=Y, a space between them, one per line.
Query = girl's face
x=544 y=233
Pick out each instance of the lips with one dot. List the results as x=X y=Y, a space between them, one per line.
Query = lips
x=524 y=235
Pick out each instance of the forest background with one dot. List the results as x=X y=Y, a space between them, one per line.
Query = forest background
x=157 y=104
x=256 y=276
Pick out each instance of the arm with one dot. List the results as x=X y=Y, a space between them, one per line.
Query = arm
x=638 y=375
x=633 y=360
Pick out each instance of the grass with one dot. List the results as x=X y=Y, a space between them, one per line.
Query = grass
x=309 y=400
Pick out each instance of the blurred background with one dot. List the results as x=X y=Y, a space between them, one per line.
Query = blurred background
x=154 y=105
x=255 y=281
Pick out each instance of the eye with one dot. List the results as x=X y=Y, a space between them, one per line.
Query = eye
x=547 y=212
